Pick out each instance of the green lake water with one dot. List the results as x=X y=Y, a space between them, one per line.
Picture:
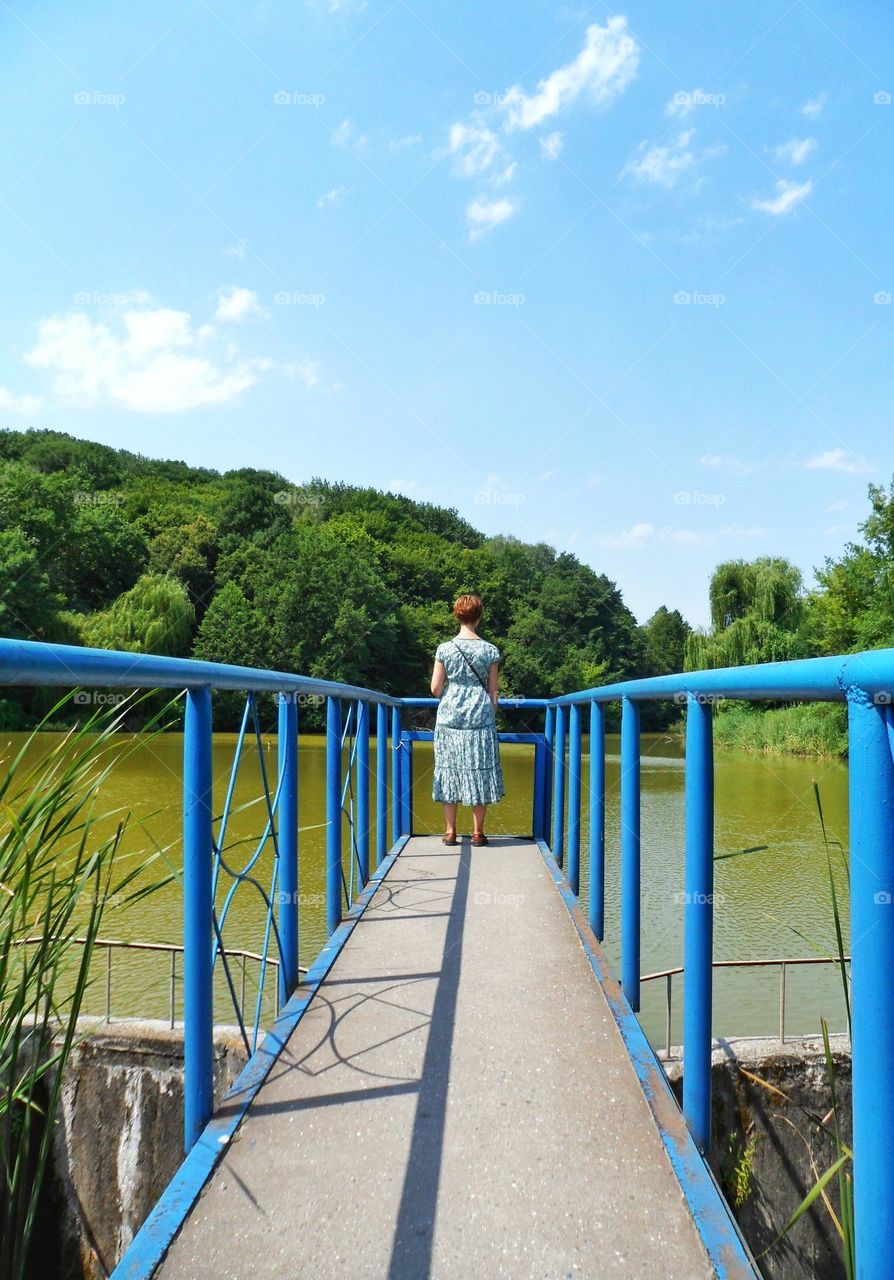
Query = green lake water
x=767 y=905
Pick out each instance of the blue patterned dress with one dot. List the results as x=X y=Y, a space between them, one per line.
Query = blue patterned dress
x=467 y=749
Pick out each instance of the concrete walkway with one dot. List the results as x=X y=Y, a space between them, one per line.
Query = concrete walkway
x=456 y=1103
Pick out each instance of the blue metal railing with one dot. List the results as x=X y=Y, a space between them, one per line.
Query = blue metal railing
x=865 y=682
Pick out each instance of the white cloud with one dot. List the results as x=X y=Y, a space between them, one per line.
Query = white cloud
x=838 y=460
x=408 y=140
x=665 y=165
x=145 y=359
x=307 y=371
x=813 y=107
x=483 y=214
x=795 y=151
x=331 y=197
x=635 y=536
x=724 y=462
x=840 y=505
x=604 y=67
x=788 y=194
x=236 y=250
x=18 y=404
x=641 y=535
x=346 y=132
x=551 y=145
x=475 y=146
x=234 y=304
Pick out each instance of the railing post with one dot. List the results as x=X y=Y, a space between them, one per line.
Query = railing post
x=333 y=814
x=287 y=840
x=363 y=791
x=198 y=850
x=630 y=852
x=396 y=804
x=558 y=849
x=381 y=781
x=549 y=734
x=871 y=800
x=538 y=828
x=406 y=786
x=574 y=755
x=597 y=819
x=698 y=955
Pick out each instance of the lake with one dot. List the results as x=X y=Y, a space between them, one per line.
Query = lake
x=768 y=905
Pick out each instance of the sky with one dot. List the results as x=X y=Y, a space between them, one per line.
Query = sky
x=615 y=279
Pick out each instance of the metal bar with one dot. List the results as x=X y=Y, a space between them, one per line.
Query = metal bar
x=597 y=819
x=287 y=832
x=395 y=775
x=242 y=991
x=782 y=1003
x=406 y=786
x=381 y=783
x=197 y=909
x=630 y=852
x=871 y=786
x=549 y=735
x=699 y=922
x=108 y=984
x=669 y=997
x=173 y=987
x=574 y=757
x=538 y=828
x=32 y=662
x=505 y=704
x=558 y=849
x=333 y=814
x=362 y=833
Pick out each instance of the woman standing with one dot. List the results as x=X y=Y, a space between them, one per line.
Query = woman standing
x=467 y=749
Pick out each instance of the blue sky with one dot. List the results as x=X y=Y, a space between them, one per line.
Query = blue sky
x=618 y=279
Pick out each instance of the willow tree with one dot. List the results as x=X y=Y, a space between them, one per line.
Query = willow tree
x=757 y=607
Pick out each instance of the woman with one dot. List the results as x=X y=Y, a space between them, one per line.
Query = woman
x=467 y=749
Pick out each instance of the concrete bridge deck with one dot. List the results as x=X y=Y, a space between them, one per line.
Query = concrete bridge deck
x=457 y=1102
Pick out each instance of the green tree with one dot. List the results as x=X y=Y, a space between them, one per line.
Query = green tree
x=155 y=616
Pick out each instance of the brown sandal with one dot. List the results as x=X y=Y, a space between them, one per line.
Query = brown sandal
x=478 y=839
x=449 y=837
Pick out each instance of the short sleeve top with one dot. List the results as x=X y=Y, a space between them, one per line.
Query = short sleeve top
x=465 y=703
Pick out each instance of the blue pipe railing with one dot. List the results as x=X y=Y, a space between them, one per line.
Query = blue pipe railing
x=865 y=682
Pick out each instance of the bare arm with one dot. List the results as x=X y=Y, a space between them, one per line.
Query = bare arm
x=438 y=679
x=493 y=682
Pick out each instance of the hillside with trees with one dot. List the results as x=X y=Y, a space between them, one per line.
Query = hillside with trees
x=105 y=548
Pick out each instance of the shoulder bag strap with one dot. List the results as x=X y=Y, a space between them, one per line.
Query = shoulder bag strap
x=467 y=660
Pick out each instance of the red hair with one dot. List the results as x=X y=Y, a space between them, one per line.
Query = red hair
x=468 y=609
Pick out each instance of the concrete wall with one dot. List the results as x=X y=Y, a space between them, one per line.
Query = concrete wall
x=119 y=1136
x=768 y=1150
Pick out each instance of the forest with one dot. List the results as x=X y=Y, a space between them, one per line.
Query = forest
x=106 y=548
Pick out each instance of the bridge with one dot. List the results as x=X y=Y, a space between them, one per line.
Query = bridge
x=459 y=1085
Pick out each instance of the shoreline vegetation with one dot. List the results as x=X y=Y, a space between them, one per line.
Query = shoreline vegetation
x=816 y=729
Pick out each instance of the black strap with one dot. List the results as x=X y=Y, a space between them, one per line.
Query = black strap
x=471 y=666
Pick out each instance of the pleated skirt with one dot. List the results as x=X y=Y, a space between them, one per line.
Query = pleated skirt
x=467 y=766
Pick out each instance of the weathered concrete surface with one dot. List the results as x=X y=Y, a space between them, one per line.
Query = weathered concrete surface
x=457 y=1103
x=119 y=1135
x=768 y=1148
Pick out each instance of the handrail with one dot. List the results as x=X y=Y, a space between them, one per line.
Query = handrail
x=803 y=679
x=31 y=662
x=782 y=964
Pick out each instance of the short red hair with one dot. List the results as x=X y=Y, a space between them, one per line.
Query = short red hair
x=468 y=609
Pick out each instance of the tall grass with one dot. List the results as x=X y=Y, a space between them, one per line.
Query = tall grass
x=57 y=875
x=807 y=729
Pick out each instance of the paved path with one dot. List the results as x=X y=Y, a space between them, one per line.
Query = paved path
x=456 y=1103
